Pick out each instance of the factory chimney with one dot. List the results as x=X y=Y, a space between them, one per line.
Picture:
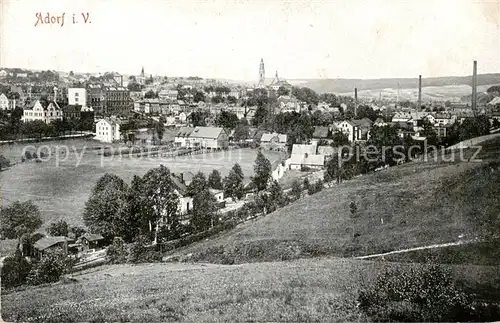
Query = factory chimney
x=474 y=88
x=355 y=101
x=121 y=80
x=419 y=105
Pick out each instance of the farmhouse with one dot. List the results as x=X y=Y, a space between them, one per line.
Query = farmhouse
x=91 y=241
x=47 y=244
x=305 y=156
x=203 y=137
x=107 y=130
x=310 y=161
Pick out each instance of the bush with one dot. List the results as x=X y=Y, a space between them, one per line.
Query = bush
x=417 y=294
x=141 y=252
x=117 y=253
x=15 y=270
x=50 y=268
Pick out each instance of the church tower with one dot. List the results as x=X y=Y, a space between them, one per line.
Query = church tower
x=142 y=72
x=262 y=72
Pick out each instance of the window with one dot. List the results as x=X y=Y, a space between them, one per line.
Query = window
x=76 y=94
x=76 y=99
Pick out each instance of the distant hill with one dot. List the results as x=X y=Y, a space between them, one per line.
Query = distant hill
x=348 y=85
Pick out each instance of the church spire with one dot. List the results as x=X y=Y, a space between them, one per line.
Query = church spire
x=142 y=71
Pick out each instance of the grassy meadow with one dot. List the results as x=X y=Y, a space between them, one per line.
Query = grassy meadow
x=61 y=188
x=323 y=290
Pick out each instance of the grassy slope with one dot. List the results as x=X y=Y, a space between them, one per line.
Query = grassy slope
x=420 y=204
x=301 y=290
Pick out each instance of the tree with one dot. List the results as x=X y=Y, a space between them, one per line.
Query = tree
x=59 y=228
x=215 y=180
x=296 y=189
x=4 y=162
x=198 y=184
x=50 y=268
x=276 y=194
x=382 y=138
x=199 y=96
x=227 y=120
x=241 y=133
x=19 y=219
x=204 y=211
x=282 y=91
x=134 y=87
x=415 y=294
x=474 y=127
x=15 y=270
x=261 y=113
x=140 y=252
x=233 y=183
x=107 y=210
x=77 y=232
x=71 y=73
x=339 y=139
x=150 y=94
x=160 y=199
x=160 y=128
x=117 y=253
x=262 y=170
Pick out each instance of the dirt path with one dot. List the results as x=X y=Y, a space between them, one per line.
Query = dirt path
x=434 y=246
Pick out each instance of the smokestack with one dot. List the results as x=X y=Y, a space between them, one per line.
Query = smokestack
x=474 y=88
x=355 y=101
x=121 y=80
x=419 y=106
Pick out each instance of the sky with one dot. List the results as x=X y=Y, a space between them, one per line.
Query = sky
x=226 y=39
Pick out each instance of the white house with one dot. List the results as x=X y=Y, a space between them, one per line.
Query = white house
x=77 y=96
x=6 y=103
x=356 y=130
x=47 y=112
x=107 y=130
x=217 y=194
x=3 y=73
x=311 y=161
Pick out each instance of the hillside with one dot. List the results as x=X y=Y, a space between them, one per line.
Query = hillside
x=347 y=85
x=415 y=204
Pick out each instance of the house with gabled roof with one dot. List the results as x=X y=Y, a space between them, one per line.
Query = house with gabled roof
x=107 y=130
x=273 y=141
x=46 y=111
x=7 y=103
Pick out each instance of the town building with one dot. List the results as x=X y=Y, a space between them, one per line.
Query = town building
x=95 y=97
x=43 y=110
x=117 y=100
x=356 y=130
x=6 y=103
x=107 y=130
x=277 y=83
x=77 y=96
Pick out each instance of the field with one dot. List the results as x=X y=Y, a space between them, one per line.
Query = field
x=294 y=291
x=61 y=188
